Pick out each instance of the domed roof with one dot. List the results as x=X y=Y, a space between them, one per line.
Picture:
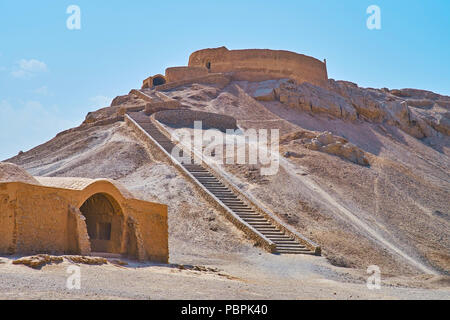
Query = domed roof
x=81 y=184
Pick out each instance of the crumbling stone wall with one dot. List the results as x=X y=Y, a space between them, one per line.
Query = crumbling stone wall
x=151 y=229
x=78 y=238
x=217 y=79
x=134 y=242
x=7 y=222
x=40 y=216
x=186 y=118
x=184 y=73
x=260 y=65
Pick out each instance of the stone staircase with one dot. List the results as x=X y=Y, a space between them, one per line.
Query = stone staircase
x=281 y=241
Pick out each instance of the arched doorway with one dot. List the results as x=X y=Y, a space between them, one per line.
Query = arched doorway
x=104 y=222
x=158 y=80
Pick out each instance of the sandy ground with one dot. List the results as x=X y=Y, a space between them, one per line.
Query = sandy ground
x=252 y=276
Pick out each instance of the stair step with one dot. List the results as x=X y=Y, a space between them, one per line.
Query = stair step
x=220 y=187
x=260 y=223
x=265 y=228
x=283 y=242
x=299 y=247
x=257 y=220
x=226 y=197
x=235 y=203
x=278 y=237
x=295 y=252
x=228 y=203
x=273 y=233
x=222 y=195
x=267 y=232
x=256 y=217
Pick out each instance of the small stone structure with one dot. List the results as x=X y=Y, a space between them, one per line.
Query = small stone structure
x=154 y=81
x=249 y=65
x=78 y=216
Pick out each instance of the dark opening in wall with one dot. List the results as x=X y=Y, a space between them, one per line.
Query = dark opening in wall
x=104 y=222
x=104 y=231
x=157 y=81
x=208 y=65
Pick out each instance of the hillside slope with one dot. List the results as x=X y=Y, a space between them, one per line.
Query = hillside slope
x=361 y=174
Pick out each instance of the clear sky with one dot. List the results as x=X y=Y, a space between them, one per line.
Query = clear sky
x=50 y=76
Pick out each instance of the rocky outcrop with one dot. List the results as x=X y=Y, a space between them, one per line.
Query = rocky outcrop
x=119 y=106
x=309 y=97
x=416 y=112
x=328 y=143
x=38 y=261
x=41 y=260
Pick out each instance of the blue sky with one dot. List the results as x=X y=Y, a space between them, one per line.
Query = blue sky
x=50 y=76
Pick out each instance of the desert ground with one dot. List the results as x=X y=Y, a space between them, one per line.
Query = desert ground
x=254 y=276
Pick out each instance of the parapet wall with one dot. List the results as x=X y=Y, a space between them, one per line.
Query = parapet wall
x=261 y=64
x=183 y=73
x=217 y=79
x=186 y=118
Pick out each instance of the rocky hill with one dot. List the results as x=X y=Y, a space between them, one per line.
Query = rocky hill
x=363 y=172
